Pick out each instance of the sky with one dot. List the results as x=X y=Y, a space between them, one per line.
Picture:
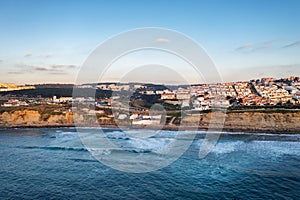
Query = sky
x=48 y=41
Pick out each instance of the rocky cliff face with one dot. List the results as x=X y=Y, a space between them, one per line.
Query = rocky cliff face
x=264 y=121
x=239 y=121
x=34 y=118
x=253 y=121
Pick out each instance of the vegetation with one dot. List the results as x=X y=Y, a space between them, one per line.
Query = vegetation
x=41 y=108
x=60 y=92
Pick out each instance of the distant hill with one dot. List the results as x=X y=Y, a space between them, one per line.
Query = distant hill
x=11 y=87
x=59 y=92
x=54 y=85
x=4 y=85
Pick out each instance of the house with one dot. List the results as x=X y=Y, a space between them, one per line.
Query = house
x=14 y=103
x=61 y=99
x=183 y=95
x=169 y=95
x=150 y=92
x=159 y=92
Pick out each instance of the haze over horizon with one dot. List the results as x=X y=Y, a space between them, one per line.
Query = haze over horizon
x=48 y=41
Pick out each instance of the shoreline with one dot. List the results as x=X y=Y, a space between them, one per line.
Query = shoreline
x=242 y=121
x=167 y=127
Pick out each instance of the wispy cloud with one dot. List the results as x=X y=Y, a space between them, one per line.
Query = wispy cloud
x=252 y=47
x=40 y=68
x=15 y=72
x=244 y=46
x=25 y=67
x=162 y=40
x=60 y=66
x=58 y=73
x=47 y=55
x=296 y=43
x=55 y=69
x=28 y=54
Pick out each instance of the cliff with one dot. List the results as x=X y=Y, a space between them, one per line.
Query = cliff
x=275 y=122
x=279 y=122
x=34 y=118
x=38 y=118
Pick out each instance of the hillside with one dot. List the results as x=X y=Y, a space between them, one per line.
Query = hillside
x=268 y=122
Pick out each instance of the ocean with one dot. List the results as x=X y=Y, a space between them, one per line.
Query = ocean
x=52 y=163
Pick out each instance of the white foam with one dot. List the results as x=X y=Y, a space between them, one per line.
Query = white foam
x=271 y=148
x=226 y=147
x=276 y=147
x=116 y=134
x=151 y=144
x=66 y=134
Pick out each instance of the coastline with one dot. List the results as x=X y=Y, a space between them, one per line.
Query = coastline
x=275 y=122
x=167 y=127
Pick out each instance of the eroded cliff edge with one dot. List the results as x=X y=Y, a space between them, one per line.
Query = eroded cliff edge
x=245 y=121
x=248 y=121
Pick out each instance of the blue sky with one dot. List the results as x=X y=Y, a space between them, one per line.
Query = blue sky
x=47 y=41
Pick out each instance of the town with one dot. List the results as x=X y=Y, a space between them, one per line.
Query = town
x=260 y=92
x=264 y=93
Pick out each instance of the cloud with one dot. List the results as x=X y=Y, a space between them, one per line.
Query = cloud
x=73 y=66
x=28 y=54
x=47 y=55
x=55 y=69
x=15 y=72
x=252 y=47
x=56 y=66
x=58 y=73
x=40 y=68
x=32 y=68
x=260 y=47
x=291 y=44
x=1 y=61
x=244 y=46
x=162 y=40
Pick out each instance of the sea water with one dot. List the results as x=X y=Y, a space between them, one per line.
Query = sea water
x=54 y=164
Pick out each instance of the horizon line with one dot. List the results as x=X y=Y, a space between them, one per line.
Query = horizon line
x=133 y=82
